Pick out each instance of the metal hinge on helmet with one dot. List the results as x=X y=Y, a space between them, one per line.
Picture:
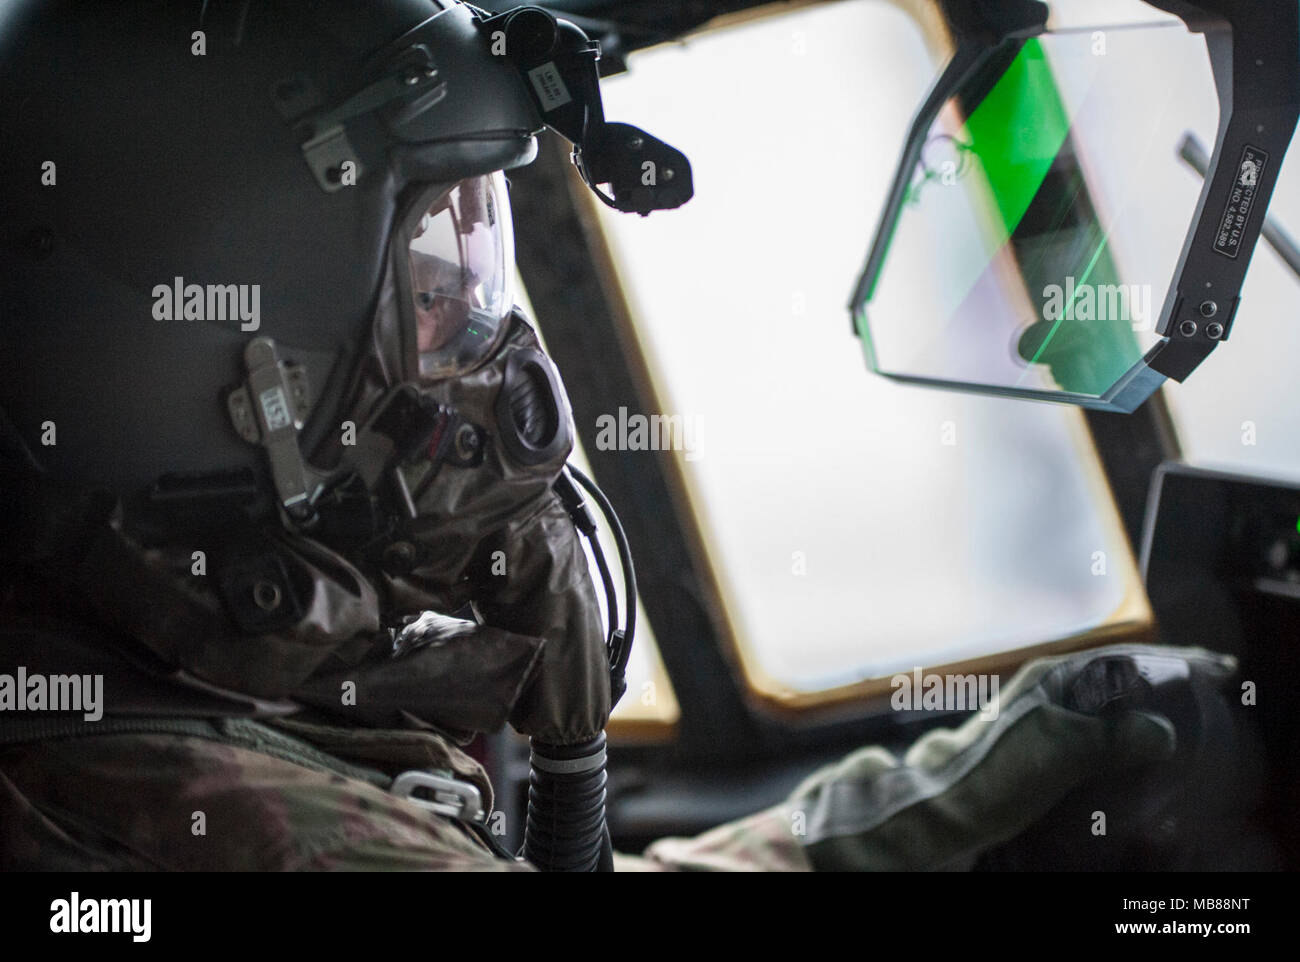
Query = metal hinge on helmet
x=410 y=76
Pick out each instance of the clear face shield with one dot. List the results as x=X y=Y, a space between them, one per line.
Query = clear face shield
x=459 y=278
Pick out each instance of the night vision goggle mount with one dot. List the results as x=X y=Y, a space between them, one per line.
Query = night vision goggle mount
x=626 y=167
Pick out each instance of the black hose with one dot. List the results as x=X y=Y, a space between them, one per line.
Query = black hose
x=566 y=830
x=611 y=596
x=620 y=657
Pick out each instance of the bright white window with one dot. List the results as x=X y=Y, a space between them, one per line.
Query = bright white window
x=857 y=527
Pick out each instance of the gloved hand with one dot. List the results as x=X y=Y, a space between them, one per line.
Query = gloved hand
x=957 y=791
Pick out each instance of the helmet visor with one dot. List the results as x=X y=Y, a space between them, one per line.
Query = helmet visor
x=461 y=261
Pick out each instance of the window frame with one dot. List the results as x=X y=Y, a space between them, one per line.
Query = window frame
x=590 y=328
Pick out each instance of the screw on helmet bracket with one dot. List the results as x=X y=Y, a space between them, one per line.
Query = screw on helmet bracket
x=409 y=77
x=558 y=65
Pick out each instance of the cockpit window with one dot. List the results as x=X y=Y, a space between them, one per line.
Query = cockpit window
x=856 y=527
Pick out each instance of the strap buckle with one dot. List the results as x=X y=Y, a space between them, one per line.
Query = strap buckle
x=448 y=796
x=268 y=409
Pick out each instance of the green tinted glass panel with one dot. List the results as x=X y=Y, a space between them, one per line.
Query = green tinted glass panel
x=1003 y=267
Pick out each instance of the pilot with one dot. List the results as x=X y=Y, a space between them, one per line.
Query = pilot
x=308 y=563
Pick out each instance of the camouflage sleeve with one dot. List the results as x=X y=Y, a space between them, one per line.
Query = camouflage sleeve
x=172 y=802
x=760 y=843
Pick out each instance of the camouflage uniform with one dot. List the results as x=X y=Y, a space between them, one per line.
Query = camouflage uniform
x=278 y=796
x=129 y=801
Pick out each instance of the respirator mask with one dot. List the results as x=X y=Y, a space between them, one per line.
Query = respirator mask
x=448 y=488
